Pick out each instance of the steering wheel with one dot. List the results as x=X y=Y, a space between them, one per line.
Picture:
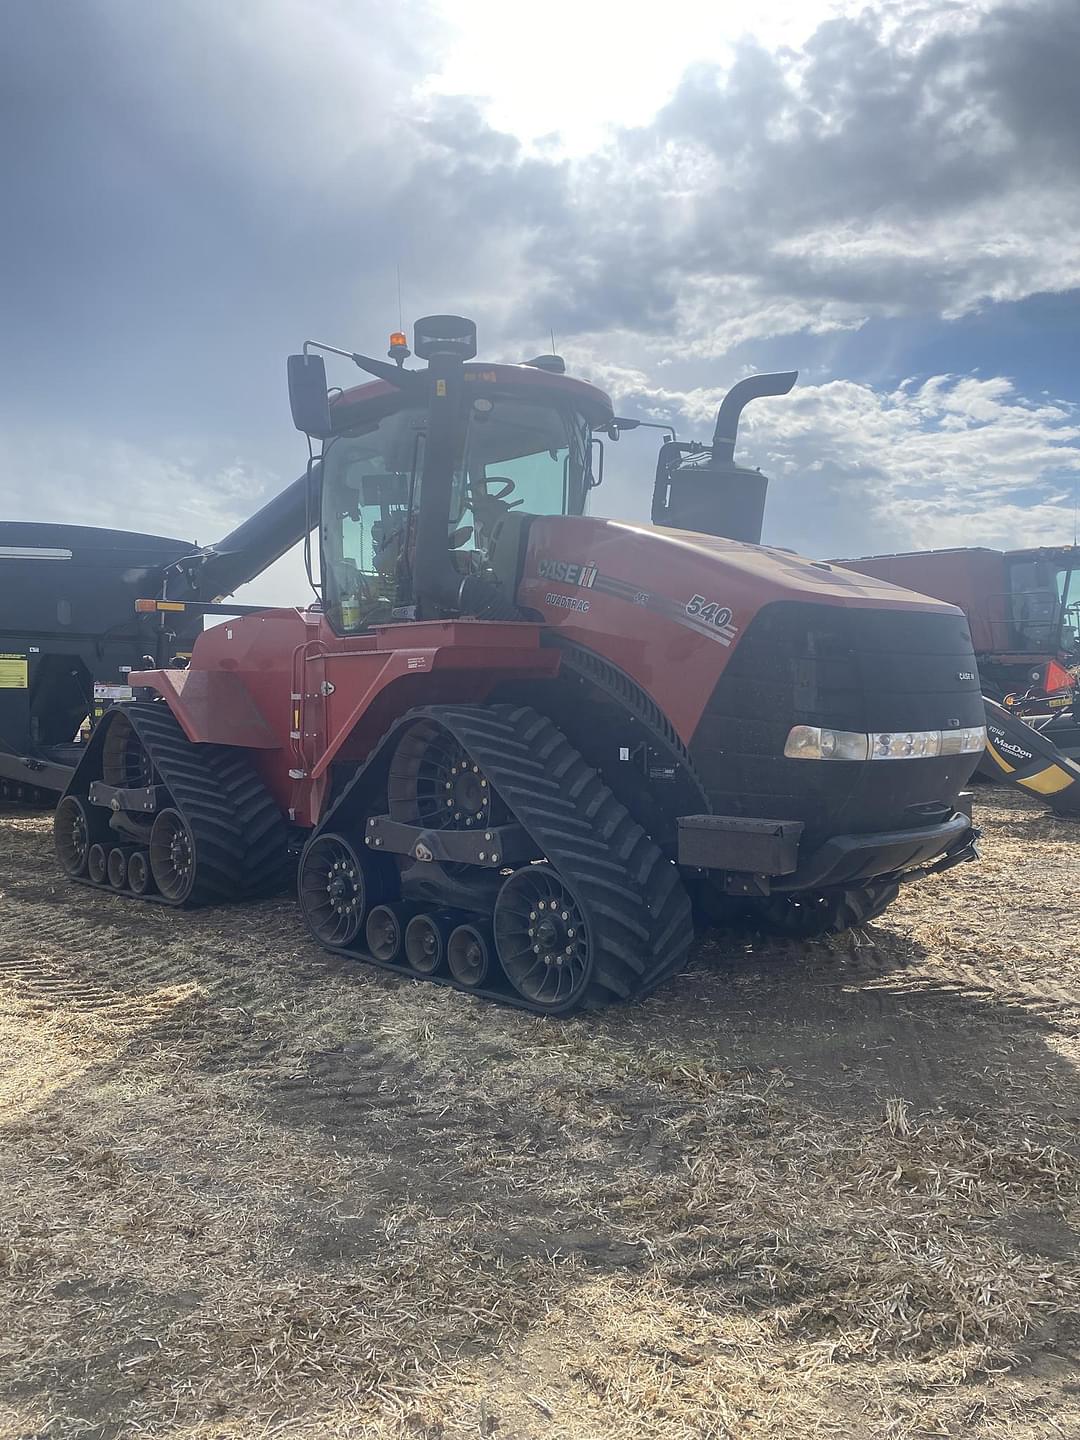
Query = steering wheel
x=508 y=488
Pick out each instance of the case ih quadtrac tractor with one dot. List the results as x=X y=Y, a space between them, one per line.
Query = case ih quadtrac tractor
x=516 y=741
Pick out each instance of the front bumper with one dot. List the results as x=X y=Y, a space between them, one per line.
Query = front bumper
x=775 y=860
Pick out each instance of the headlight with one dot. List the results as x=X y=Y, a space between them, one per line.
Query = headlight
x=815 y=742
x=811 y=742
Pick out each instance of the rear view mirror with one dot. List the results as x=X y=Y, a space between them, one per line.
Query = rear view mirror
x=388 y=489
x=308 y=399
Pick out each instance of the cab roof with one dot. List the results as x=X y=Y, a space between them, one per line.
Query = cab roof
x=591 y=402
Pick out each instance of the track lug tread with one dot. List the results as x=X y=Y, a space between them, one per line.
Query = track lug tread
x=240 y=836
x=587 y=835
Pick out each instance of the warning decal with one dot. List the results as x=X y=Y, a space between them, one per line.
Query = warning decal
x=13 y=672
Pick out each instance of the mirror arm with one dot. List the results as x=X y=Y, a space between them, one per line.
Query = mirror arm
x=392 y=374
x=620 y=423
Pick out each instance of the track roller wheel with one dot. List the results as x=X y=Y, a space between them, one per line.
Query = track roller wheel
x=434 y=782
x=542 y=938
x=97 y=864
x=469 y=954
x=172 y=856
x=139 y=879
x=426 y=939
x=385 y=932
x=118 y=868
x=337 y=889
x=73 y=832
x=124 y=761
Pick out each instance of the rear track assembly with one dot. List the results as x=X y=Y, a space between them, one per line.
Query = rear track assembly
x=218 y=837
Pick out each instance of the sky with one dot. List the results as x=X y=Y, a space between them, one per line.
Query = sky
x=885 y=196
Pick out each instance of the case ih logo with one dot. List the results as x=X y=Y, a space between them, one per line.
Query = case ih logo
x=568 y=573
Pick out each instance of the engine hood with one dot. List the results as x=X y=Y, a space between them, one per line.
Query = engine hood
x=785 y=570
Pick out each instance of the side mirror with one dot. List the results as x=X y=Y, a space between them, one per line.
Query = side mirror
x=596 y=469
x=308 y=399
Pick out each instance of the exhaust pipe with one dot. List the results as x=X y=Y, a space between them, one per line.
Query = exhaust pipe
x=754 y=387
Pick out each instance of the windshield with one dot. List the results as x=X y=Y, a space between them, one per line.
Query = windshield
x=1044 y=602
x=515 y=455
x=1068 y=588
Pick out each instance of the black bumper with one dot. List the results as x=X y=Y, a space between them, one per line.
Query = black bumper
x=840 y=860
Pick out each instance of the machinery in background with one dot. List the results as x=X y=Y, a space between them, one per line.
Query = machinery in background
x=70 y=633
x=1024 y=611
x=1036 y=751
x=1023 y=607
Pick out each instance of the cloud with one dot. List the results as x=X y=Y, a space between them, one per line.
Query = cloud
x=883 y=170
x=192 y=190
x=71 y=477
x=949 y=461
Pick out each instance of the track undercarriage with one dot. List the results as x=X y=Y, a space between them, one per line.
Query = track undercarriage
x=475 y=847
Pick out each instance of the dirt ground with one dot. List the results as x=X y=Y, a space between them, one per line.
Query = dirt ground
x=816 y=1190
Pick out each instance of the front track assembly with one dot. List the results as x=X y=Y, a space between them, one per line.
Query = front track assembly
x=492 y=858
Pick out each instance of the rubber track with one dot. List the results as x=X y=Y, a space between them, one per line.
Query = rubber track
x=240 y=837
x=589 y=836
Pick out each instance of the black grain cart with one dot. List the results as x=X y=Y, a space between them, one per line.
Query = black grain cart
x=69 y=632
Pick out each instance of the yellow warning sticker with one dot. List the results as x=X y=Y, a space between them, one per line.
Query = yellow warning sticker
x=13 y=674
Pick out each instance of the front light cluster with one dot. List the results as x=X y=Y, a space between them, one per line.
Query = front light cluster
x=815 y=742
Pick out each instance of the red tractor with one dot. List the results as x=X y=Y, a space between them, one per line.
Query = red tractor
x=514 y=741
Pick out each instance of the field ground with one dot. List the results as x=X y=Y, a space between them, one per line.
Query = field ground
x=810 y=1190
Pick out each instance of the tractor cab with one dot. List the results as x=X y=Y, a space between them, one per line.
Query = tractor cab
x=511 y=441
x=521 y=444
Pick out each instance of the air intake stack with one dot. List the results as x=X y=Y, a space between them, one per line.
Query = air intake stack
x=700 y=487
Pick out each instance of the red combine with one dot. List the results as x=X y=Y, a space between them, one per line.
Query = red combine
x=516 y=741
x=1023 y=607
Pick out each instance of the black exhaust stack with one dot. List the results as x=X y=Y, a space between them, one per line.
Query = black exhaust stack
x=446 y=342
x=754 y=387
x=700 y=488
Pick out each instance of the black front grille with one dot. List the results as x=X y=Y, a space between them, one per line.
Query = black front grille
x=848 y=669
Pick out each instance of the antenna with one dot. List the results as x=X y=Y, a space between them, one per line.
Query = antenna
x=400 y=319
x=553 y=350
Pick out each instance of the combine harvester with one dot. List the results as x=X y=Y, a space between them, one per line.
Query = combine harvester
x=1024 y=610
x=70 y=634
x=516 y=741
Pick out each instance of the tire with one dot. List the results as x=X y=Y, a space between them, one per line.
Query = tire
x=544 y=937
x=173 y=857
x=75 y=827
x=140 y=881
x=337 y=888
x=118 y=868
x=97 y=864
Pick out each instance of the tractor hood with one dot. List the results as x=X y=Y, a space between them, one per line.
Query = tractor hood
x=654 y=563
x=670 y=607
